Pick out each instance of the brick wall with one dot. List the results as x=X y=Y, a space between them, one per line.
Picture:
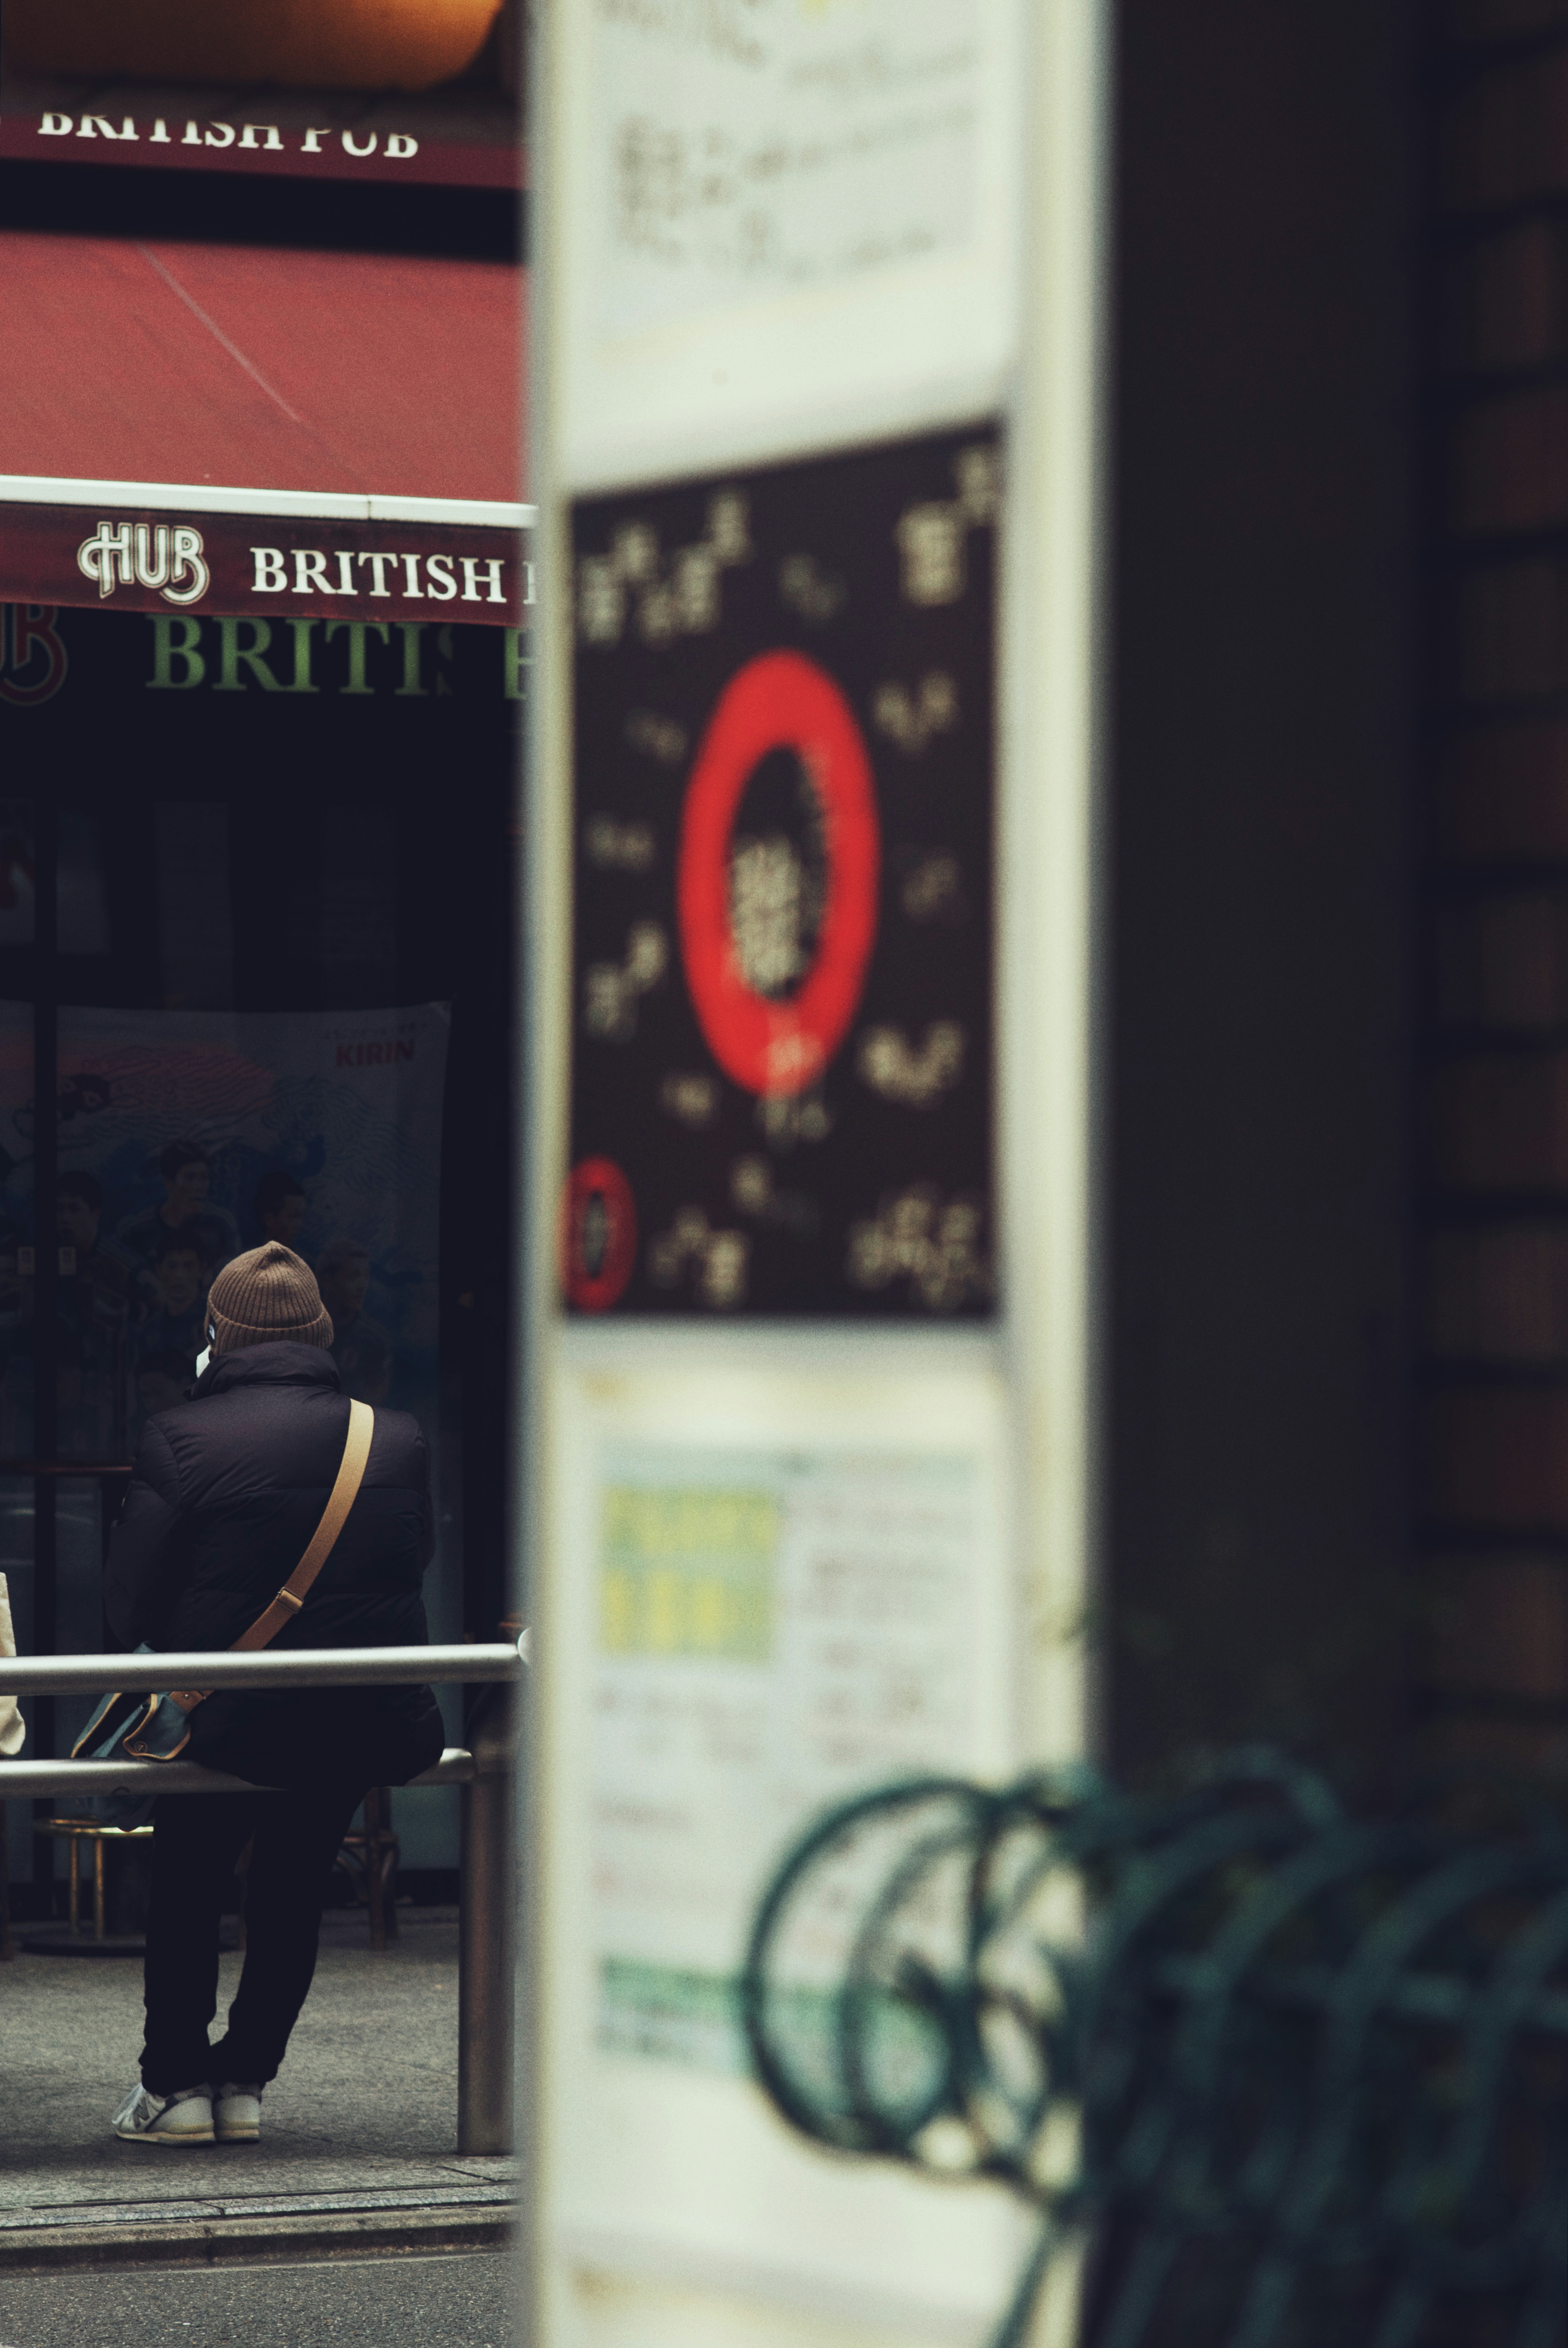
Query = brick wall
x=1492 y=1646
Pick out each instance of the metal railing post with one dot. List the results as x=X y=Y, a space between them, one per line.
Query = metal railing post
x=488 y=1932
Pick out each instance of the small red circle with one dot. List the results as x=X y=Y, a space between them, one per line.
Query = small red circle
x=779 y=701
x=601 y=1179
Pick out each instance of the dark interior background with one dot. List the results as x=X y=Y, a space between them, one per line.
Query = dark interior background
x=1264 y=624
x=361 y=847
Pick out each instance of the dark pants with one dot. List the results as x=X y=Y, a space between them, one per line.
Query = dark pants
x=198 y=1838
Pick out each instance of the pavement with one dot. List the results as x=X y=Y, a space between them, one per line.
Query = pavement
x=413 y=2301
x=359 y=2146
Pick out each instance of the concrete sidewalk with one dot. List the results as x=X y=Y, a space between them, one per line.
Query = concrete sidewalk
x=360 y=2144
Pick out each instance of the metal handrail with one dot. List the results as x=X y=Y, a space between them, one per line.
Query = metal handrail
x=25 y=1780
x=487 y=1864
x=287 y=1667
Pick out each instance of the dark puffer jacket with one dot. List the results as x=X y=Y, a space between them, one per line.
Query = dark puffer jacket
x=230 y=1485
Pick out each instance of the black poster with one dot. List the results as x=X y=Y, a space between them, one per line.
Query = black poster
x=781 y=978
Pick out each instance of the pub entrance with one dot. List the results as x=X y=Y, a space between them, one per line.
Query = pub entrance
x=255 y=981
x=263 y=607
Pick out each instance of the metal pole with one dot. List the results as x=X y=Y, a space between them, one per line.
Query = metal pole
x=488 y=1932
x=46 y=1272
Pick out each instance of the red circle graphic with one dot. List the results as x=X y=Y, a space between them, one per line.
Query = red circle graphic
x=600 y=1179
x=779 y=701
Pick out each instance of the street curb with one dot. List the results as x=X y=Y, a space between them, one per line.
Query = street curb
x=251 y=2242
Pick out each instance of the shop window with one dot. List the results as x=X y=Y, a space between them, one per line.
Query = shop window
x=257 y=953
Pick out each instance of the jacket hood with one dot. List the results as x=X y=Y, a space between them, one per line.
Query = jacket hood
x=280 y=1364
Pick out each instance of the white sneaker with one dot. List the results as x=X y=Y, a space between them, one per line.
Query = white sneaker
x=237 y=2113
x=185 y=2117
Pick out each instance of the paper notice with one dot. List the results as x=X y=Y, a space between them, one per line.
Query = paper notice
x=753 y=147
x=776 y=1630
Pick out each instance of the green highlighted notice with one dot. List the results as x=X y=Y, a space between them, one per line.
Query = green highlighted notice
x=688 y=1572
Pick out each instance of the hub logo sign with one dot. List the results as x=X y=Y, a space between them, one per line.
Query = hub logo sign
x=146 y=554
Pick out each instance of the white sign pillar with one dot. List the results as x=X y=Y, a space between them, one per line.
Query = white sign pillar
x=809 y=1454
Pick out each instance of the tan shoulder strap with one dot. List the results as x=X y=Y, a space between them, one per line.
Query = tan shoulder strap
x=292 y=1595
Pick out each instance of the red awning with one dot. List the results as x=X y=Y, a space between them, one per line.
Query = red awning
x=210 y=387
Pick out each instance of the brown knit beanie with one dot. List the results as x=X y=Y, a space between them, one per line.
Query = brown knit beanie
x=265 y=1298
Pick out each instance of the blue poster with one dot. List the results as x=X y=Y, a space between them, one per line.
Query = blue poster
x=186 y=1138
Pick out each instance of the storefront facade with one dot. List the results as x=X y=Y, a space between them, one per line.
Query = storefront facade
x=266 y=580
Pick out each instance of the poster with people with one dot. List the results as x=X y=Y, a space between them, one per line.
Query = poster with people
x=185 y=1137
